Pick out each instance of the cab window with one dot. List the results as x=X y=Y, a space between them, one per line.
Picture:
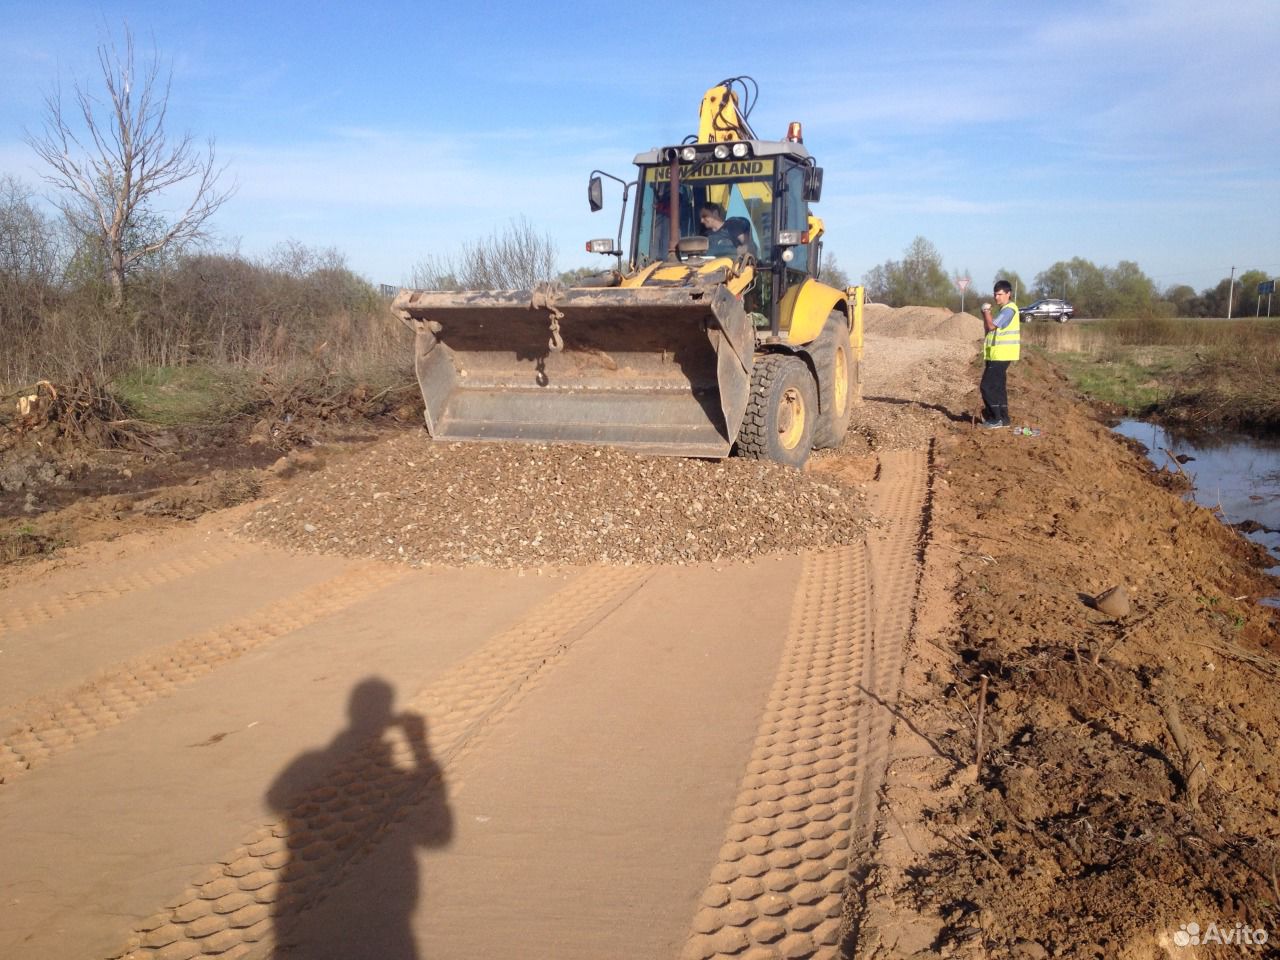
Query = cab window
x=749 y=197
x=795 y=216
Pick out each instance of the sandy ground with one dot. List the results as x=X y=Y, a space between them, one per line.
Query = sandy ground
x=220 y=743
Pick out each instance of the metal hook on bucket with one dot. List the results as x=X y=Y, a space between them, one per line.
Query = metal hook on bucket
x=543 y=297
x=556 y=343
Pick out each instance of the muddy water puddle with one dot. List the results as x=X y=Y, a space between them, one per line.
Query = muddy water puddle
x=1237 y=474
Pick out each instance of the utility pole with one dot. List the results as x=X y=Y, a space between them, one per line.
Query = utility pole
x=1231 y=288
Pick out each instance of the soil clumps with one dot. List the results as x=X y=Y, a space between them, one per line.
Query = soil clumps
x=74 y=468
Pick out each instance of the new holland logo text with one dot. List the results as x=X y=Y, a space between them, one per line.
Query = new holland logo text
x=726 y=170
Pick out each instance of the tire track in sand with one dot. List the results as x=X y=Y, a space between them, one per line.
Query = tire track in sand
x=43 y=611
x=901 y=499
x=228 y=909
x=50 y=725
x=808 y=793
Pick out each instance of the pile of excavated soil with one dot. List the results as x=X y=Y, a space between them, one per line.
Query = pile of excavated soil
x=1127 y=786
x=920 y=323
x=30 y=472
x=507 y=505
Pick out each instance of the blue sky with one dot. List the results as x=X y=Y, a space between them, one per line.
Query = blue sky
x=1009 y=135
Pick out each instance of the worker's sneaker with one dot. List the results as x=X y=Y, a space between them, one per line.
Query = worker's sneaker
x=995 y=424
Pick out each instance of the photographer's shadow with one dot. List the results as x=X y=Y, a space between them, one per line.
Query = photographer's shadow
x=356 y=813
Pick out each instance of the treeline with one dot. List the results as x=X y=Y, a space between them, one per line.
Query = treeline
x=58 y=319
x=189 y=304
x=1122 y=291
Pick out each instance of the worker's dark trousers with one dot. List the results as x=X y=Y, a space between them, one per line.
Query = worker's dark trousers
x=995 y=392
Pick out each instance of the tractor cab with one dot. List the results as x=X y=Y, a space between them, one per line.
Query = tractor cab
x=760 y=189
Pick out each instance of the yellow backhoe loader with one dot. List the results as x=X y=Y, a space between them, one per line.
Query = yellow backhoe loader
x=715 y=337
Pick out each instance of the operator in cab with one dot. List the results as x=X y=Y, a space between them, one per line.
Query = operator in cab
x=725 y=238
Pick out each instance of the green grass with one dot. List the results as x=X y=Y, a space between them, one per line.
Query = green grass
x=1135 y=379
x=1208 y=372
x=184 y=396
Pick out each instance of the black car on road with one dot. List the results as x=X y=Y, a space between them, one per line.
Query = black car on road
x=1058 y=310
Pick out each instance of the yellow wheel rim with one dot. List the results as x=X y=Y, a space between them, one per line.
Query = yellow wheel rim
x=791 y=415
x=841 y=398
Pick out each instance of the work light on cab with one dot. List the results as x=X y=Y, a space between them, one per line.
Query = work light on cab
x=791 y=238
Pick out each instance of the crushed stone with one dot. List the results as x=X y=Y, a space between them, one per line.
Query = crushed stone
x=506 y=505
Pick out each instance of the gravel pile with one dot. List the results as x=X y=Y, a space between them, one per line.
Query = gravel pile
x=921 y=323
x=508 y=505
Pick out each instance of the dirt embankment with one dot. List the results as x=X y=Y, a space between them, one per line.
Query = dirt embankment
x=1126 y=787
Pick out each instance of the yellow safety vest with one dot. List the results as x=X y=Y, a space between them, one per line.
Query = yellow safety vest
x=1004 y=343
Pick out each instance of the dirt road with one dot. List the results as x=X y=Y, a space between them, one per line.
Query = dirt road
x=220 y=747
x=267 y=733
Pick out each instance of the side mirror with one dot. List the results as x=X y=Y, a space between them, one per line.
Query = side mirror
x=813 y=185
x=595 y=194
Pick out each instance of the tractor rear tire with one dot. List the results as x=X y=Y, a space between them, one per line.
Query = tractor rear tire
x=781 y=412
x=838 y=382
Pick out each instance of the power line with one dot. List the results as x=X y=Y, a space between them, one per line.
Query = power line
x=1271 y=268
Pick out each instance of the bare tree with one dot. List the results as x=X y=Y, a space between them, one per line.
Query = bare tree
x=114 y=160
x=30 y=247
x=832 y=273
x=517 y=258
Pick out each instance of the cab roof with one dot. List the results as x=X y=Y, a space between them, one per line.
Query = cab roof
x=759 y=148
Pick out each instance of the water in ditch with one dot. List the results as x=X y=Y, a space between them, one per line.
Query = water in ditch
x=1236 y=473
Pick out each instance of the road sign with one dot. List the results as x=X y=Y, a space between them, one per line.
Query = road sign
x=1267 y=286
x=962 y=283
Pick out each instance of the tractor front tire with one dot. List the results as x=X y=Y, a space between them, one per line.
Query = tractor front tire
x=838 y=384
x=781 y=413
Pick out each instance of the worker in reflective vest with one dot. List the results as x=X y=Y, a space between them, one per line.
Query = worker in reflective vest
x=1000 y=348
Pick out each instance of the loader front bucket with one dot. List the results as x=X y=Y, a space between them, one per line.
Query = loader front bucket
x=662 y=370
